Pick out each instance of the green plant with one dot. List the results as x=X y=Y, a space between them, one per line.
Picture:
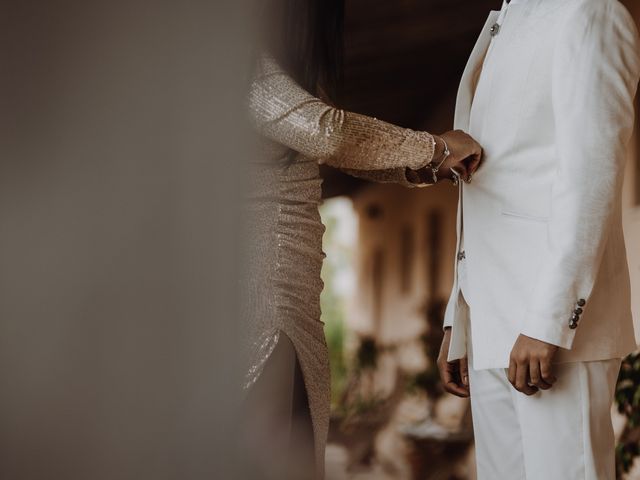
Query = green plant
x=335 y=333
x=333 y=309
x=628 y=403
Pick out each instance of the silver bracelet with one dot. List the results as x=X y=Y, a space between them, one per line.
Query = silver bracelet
x=445 y=155
x=435 y=167
x=432 y=167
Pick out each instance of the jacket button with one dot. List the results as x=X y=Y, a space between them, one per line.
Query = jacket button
x=582 y=302
x=578 y=311
x=573 y=325
x=461 y=256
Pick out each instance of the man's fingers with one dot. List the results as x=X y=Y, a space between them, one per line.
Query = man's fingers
x=454 y=382
x=546 y=372
x=535 y=377
x=522 y=377
x=450 y=379
x=544 y=385
x=522 y=373
x=511 y=374
x=464 y=371
x=534 y=372
x=450 y=371
x=455 y=389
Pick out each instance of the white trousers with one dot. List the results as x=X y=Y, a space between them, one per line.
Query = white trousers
x=564 y=433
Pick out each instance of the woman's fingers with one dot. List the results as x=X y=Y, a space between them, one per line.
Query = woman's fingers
x=474 y=163
x=465 y=154
x=473 y=158
x=460 y=170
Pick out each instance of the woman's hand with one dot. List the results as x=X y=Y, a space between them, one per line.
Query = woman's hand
x=465 y=156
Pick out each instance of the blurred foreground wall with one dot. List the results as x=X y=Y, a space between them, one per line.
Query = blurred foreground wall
x=120 y=143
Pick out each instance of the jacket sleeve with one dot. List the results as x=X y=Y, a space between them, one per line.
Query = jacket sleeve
x=595 y=75
x=285 y=113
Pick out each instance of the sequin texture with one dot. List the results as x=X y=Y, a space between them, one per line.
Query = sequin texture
x=284 y=236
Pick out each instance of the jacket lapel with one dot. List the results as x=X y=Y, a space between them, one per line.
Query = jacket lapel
x=468 y=83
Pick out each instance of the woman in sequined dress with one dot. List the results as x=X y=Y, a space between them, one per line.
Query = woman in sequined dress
x=288 y=384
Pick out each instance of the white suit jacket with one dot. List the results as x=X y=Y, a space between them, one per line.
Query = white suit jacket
x=542 y=219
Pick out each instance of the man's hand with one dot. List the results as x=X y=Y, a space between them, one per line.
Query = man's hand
x=530 y=367
x=454 y=375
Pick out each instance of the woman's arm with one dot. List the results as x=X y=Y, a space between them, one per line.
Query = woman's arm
x=463 y=154
x=400 y=175
x=287 y=114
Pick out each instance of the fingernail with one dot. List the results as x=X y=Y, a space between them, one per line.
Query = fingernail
x=465 y=380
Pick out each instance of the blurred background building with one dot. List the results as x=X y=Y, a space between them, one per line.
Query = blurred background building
x=390 y=253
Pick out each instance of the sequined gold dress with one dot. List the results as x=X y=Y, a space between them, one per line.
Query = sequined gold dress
x=285 y=231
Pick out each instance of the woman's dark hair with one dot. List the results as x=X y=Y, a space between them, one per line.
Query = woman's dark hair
x=306 y=38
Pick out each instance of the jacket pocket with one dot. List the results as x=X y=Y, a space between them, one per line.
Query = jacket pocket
x=523 y=216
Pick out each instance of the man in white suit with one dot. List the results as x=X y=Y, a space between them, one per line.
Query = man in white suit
x=541 y=300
